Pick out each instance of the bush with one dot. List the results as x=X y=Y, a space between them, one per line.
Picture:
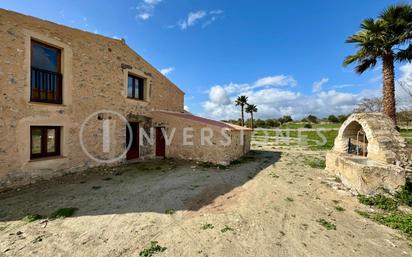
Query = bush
x=307 y=125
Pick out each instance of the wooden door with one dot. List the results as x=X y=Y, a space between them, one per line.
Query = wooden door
x=133 y=152
x=160 y=143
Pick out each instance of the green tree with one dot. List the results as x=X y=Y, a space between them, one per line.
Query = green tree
x=312 y=119
x=333 y=119
x=272 y=123
x=342 y=118
x=385 y=39
x=251 y=108
x=242 y=101
x=285 y=119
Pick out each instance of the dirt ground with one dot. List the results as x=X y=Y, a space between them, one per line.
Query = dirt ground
x=270 y=205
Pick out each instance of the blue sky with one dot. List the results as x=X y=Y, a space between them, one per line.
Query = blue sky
x=285 y=55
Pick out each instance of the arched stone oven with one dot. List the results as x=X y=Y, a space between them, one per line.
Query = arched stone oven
x=369 y=154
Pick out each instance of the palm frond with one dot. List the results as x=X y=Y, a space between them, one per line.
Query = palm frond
x=365 y=64
x=404 y=55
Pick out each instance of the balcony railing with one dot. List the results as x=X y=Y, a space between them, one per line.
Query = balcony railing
x=46 y=86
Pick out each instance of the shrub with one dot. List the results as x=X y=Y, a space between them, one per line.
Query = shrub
x=307 y=125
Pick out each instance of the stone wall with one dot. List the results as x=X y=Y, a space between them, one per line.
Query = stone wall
x=95 y=70
x=217 y=152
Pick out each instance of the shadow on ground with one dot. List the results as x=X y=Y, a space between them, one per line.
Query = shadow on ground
x=153 y=186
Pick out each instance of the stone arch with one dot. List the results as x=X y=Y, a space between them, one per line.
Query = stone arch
x=382 y=137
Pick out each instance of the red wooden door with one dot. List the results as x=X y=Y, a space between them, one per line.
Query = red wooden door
x=160 y=143
x=133 y=152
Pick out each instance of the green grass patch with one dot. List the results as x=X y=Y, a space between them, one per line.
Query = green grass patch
x=316 y=163
x=207 y=226
x=226 y=229
x=170 y=211
x=379 y=201
x=63 y=213
x=152 y=249
x=32 y=217
x=326 y=224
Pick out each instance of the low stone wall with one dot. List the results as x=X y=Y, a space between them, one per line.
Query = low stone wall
x=363 y=175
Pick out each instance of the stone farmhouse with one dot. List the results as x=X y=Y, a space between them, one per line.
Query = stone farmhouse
x=66 y=94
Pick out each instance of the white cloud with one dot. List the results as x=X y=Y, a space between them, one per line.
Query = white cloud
x=274 y=101
x=219 y=95
x=317 y=85
x=192 y=19
x=167 y=70
x=144 y=15
x=186 y=108
x=280 y=80
x=152 y=2
x=146 y=9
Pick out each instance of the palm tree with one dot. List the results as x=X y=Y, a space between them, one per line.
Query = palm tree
x=386 y=38
x=241 y=101
x=251 y=108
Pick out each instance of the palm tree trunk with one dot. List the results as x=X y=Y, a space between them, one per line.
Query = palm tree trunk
x=243 y=119
x=388 y=92
x=251 y=116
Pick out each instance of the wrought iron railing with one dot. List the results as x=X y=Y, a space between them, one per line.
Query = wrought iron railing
x=46 y=86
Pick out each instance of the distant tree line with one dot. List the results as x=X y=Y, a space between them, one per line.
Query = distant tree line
x=278 y=122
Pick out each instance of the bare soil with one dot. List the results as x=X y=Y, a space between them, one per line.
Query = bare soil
x=271 y=205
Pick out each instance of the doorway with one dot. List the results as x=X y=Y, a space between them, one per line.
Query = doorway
x=160 y=143
x=133 y=152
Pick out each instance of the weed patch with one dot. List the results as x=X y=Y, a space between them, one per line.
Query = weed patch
x=170 y=211
x=379 y=201
x=207 y=226
x=153 y=248
x=63 y=213
x=339 y=208
x=226 y=229
x=326 y=224
x=315 y=163
x=32 y=217
x=397 y=220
